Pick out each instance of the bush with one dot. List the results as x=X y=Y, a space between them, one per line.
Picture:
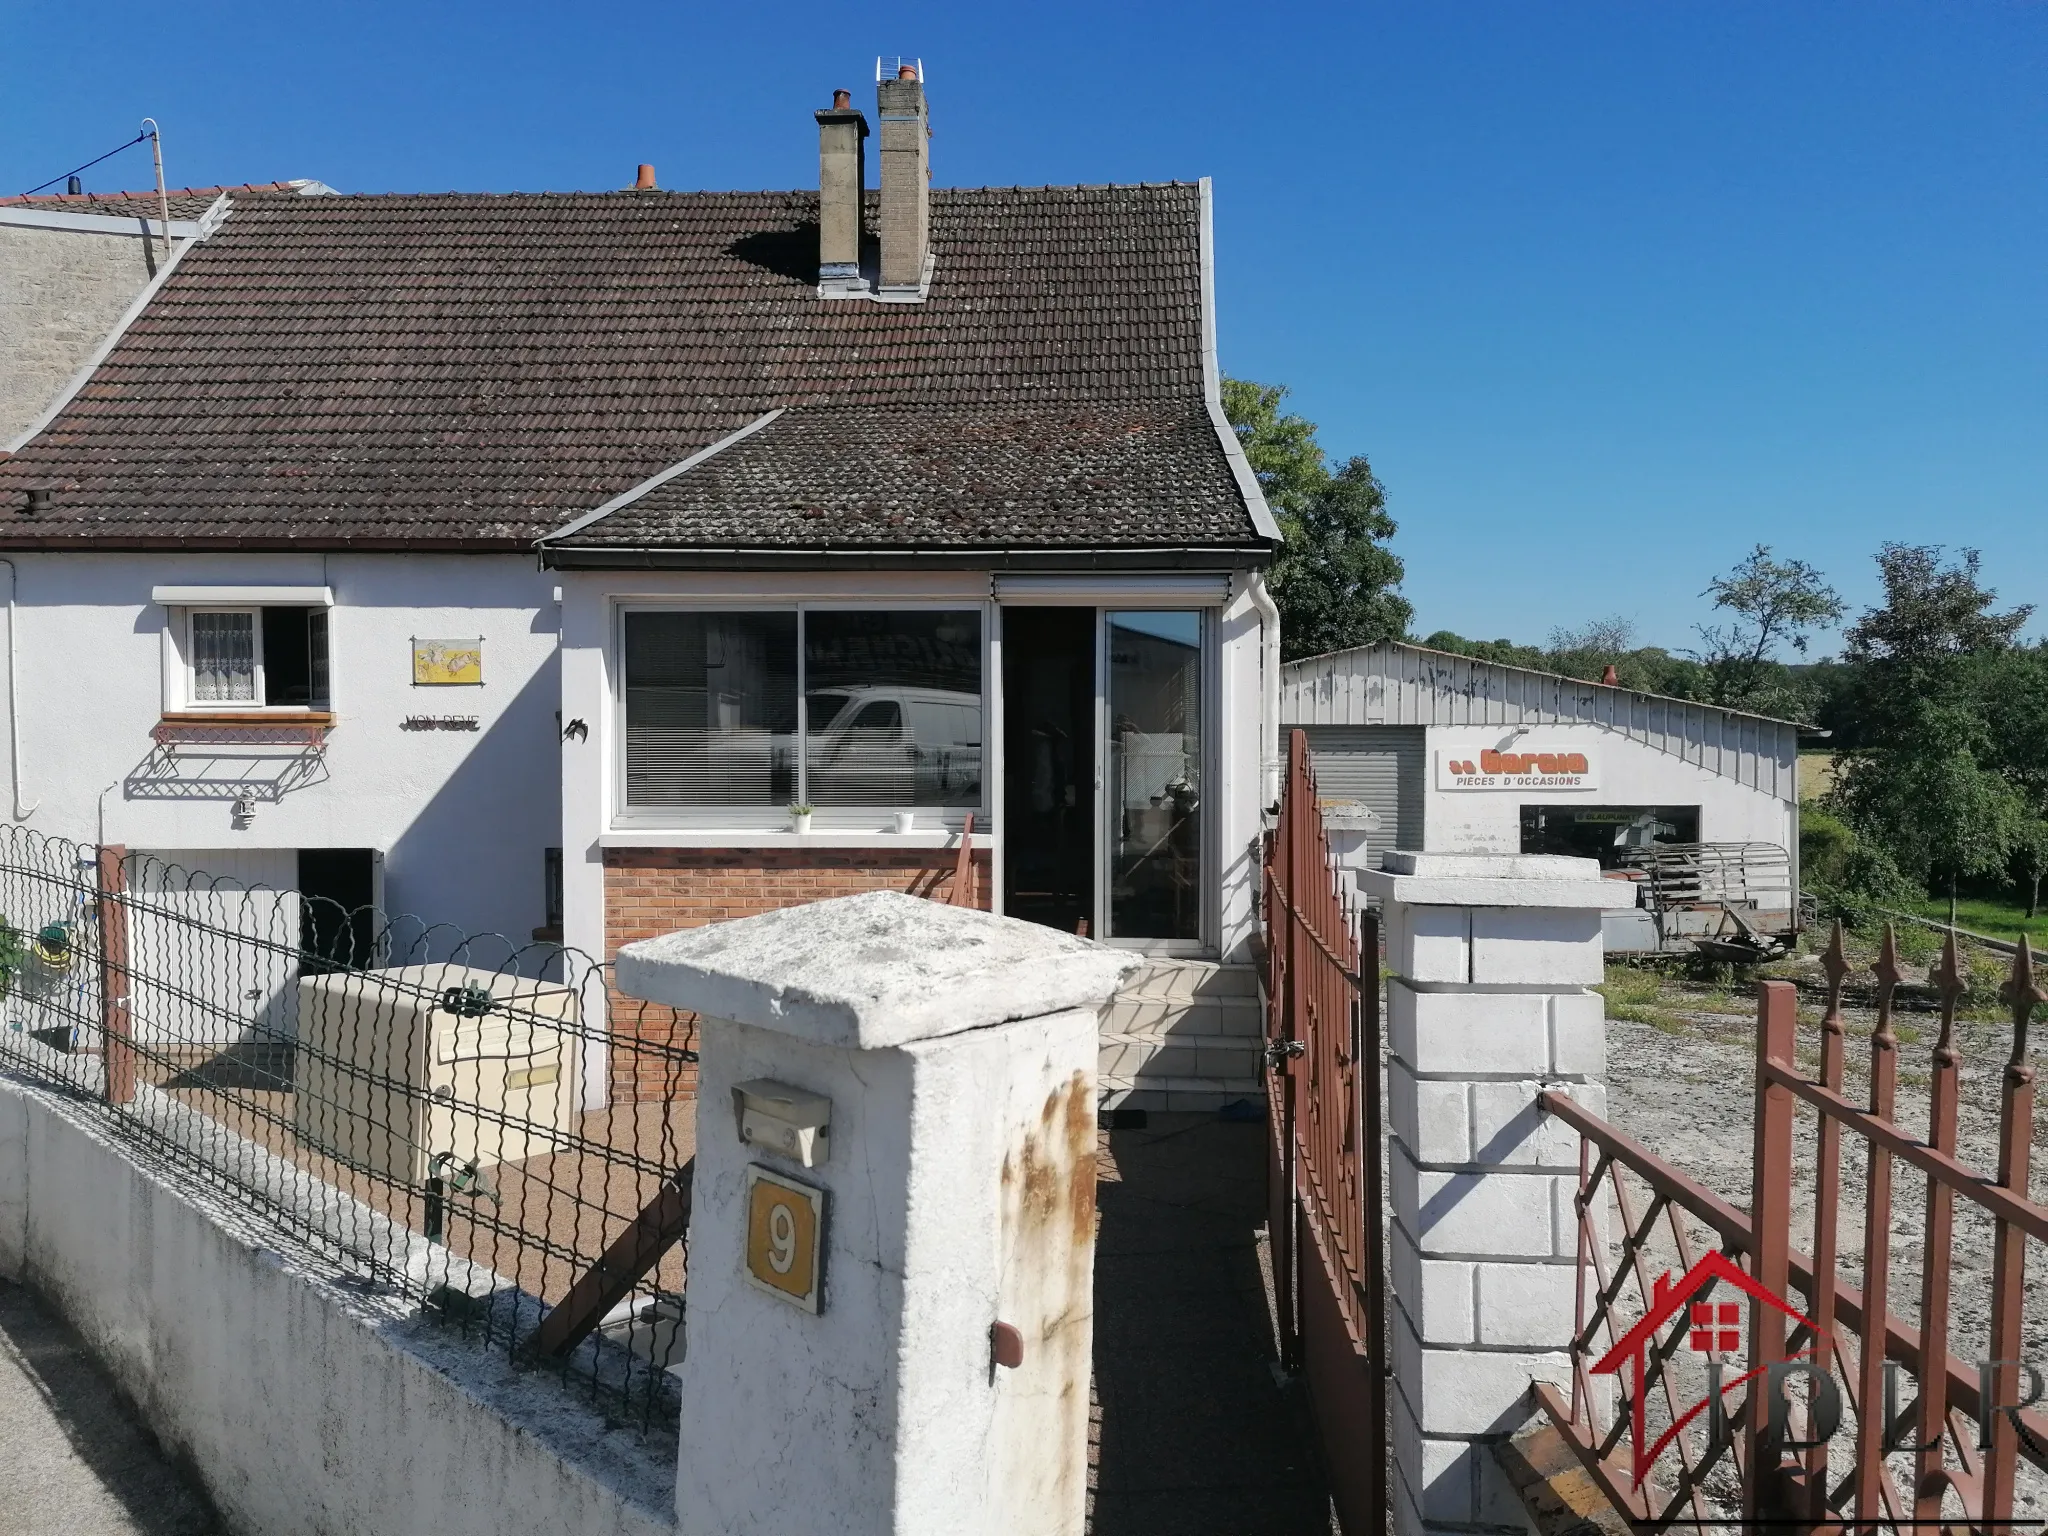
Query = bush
x=1869 y=880
x=1826 y=845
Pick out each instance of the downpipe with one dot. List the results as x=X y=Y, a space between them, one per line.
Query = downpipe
x=1269 y=691
x=21 y=812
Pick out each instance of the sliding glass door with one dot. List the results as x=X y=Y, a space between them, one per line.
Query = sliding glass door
x=1155 y=779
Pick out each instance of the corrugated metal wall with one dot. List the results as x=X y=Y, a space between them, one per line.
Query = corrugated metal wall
x=1402 y=685
x=1381 y=767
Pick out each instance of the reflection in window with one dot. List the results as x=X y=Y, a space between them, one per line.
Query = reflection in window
x=711 y=708
x=1155 y=761
x=892 y=708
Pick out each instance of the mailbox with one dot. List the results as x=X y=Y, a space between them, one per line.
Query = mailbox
x=779 y=1118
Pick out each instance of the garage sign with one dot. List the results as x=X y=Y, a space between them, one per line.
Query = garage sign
x=1528 y=766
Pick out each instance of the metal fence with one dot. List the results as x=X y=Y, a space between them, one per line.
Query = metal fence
x=1324 y=1176
x=1892 y=1377
x=479 y=1125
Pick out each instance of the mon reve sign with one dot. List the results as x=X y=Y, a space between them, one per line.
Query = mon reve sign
x=1526 y=766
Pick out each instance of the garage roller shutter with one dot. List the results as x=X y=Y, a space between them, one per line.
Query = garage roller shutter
x=1380 y=767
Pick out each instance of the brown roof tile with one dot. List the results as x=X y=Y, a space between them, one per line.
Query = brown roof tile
x=469 y=369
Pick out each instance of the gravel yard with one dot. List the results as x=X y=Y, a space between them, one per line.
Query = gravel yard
x=1681 y=1065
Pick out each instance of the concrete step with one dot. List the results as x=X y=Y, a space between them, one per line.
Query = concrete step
x=1160 y=980
x=1220 y=1061
x=1222 y=1017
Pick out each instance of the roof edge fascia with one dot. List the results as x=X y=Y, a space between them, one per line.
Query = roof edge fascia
x=1553 y=677
x=628 y=497
x=1212 y=381
x=208 y=223
x=1220 y=558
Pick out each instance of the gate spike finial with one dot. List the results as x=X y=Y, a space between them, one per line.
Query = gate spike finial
x=2023 y=995
x=1950 y=982
x=1836 y=963
x=1888 y=976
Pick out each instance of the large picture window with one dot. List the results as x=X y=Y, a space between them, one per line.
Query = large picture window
x=891 y=713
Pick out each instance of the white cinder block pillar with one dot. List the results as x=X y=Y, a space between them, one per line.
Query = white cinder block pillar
x=1490 y=961
x=895 y=1155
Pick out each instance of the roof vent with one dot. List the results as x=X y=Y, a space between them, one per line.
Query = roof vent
x=38 y=501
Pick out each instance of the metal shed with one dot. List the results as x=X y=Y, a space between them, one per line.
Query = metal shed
x=1400 y=734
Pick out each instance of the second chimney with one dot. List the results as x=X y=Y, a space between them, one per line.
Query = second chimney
x=906 y=184
x=842 y=173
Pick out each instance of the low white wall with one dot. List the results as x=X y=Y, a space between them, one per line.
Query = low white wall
x=305 y=1406
x=1630 y=773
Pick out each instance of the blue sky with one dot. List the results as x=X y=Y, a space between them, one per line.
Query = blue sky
x=1607 y=292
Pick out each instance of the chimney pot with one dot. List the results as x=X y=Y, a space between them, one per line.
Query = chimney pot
x=1608 y=676
x=842 y=101
x=906 y=72
x=645 y=183
x=38 y=501
x=74 y=186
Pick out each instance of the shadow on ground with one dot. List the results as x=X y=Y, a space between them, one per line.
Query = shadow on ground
x=1194 y=1435
x=73 y=1457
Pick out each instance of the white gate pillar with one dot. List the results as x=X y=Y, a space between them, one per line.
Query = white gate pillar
x=889 y=1309
x=1490 y=961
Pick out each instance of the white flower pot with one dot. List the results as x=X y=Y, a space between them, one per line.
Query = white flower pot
x=906 y=820
x=801 y=823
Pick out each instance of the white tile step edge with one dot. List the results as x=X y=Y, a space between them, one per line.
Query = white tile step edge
x=1222 y=1017
x=1175 y=980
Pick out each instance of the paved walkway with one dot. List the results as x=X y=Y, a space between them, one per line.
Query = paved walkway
x=73 y=1460
x=1196 y=1437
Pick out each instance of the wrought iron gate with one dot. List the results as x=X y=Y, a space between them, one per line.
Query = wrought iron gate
x=1324 y=1183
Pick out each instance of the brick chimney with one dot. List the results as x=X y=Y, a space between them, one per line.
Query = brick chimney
x=906 y=184
x=842 y=174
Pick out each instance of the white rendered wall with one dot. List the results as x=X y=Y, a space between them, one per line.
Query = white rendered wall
x=1490 y=821
x=460 y=817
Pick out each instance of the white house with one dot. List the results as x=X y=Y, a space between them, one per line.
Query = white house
x=910 y=505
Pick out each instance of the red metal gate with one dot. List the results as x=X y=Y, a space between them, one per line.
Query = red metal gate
x=1945 y=1459
x=1323 y=1088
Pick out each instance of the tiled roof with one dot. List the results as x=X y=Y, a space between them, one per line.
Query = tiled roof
x=186 y=202
x=464 y=369
x=955 y=476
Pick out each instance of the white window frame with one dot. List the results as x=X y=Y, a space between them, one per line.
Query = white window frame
x=773 y=819
x=189 y=701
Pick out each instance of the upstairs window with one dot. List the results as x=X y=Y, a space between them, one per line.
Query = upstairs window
x=259 y=658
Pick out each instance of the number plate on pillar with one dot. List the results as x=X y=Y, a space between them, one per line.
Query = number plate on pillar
x=785 y=1236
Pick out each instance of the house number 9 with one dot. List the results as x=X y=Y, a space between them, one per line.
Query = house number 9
x=785 y=1237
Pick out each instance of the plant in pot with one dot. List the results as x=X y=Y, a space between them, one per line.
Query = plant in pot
x=13 y=956
x=800 y=816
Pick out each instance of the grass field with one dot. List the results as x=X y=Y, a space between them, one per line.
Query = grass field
x=1994 y=919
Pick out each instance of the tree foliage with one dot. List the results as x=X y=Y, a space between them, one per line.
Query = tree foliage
x=1334 y=578
x=1771 y=603
x=1948 y=712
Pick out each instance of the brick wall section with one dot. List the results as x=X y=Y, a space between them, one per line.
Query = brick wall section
x=651 y=891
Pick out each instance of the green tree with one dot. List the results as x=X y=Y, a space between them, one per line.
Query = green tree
x=2030 y=860
x=1334 y=578
x=1937 y=777
x=1773 y=603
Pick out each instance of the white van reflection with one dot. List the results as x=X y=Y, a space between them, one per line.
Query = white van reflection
x=894 y=746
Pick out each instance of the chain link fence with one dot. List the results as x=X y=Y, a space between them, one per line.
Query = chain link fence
x=466 y=1121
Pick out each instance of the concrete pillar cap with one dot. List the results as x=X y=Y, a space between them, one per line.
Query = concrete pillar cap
x=1494 y=880
x=871 y=971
